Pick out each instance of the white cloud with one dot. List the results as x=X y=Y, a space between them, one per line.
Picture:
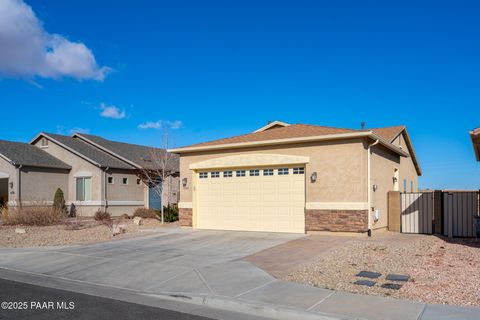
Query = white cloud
x=177 y=124
x=79 y=130
x=111 y=112
x=28 y=50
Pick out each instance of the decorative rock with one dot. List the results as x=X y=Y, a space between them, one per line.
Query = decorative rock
x=369 y=274
x=397 y=277
x=21 y=231
x=393 y=286
x=138 y=221
x=119 y=229
x=367 y=283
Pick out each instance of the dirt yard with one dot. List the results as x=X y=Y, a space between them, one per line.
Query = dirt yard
x=441 y=271
x=90 y=231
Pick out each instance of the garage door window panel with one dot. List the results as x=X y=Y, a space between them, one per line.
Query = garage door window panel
x=240 y=173
x=283 y=171
x=268 y=172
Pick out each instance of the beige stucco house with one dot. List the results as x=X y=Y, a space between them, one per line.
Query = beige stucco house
x=296 y=178
x=94 y=173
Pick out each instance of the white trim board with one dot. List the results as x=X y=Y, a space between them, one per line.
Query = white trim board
x=185 y=205
x=337 y=205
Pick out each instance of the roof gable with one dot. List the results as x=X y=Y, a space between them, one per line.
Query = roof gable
x=85 y=151
x=273 y=125
x=137 y=155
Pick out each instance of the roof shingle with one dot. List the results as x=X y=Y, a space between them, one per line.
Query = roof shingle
x=28 y=155
x=98 y=156
x=142 y=156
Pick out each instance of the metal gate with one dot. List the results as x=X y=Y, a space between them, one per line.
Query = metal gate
x=459 y=210
x=417 y=212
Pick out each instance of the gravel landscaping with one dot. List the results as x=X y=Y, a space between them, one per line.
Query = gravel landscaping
x=89 y=231
x=441 y=271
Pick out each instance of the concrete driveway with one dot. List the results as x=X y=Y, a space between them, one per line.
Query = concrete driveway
x=175 y=261
x=206 y=268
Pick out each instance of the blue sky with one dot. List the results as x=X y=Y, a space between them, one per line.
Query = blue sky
x=211 y=69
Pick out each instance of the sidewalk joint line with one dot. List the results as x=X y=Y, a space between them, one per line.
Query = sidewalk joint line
x=253 y=289
x=199 y=274
x=320 y=301
x=420 y=315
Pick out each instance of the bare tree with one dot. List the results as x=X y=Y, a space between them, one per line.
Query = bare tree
x=162 y=166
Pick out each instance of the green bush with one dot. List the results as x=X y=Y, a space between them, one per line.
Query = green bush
x=170 y=214
x=59 y=201
x=101 y=215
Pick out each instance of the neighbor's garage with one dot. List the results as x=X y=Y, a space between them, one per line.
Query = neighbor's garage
x=251 y=199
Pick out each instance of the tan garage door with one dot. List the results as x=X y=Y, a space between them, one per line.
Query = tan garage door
x=260 y=199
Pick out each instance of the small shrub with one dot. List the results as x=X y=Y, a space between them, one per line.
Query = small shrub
x=125 y=216
x=170 y=214
x=59 y=201
x=145 y=213
x=73 y=211
x=35 y=215
x=101 y=215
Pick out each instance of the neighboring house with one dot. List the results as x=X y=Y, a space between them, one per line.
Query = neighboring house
x=296 y=178
x=99 y=174
x=475 y=136
x=29 y=173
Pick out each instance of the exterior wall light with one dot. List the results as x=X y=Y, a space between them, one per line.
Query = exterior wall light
x=11 y=185
x=313 y=177
x=184 y=182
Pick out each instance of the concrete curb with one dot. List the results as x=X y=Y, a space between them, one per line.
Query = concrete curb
x=245 y=306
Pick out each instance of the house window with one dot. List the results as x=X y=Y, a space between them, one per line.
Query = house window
x=110 y=180
x=83 y=189
x=215 y=174
x=227 y=174
x=240 y=173
x=298 y=170
x=125 y=181
x=203 y=175
x=268 y=172
x=282 y=171
x=411 y=186
x=404 y=185
x=254 y=173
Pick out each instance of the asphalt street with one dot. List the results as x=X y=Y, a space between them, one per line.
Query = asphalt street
x=24 y=301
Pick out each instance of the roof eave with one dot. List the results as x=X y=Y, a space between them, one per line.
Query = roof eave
x=339 y=136
x=475 y=136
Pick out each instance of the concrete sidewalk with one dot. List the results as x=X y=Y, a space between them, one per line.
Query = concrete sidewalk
x=204 y=268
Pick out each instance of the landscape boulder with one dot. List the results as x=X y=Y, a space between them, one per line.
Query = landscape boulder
x=119 y=229
x=20 y=231
x=138 y=221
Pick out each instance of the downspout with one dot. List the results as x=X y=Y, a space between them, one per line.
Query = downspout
x=19 y=186
x=369 y=193
x=105 y=184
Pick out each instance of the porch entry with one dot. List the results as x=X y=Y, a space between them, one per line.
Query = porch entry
x=154 y=195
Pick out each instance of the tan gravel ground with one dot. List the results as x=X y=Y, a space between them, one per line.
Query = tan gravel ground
x=59 y=235
x=443 y=272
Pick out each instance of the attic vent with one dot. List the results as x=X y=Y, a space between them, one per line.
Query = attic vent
x=44 y=142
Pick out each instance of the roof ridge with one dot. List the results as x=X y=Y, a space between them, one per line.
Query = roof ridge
x=121 y=142
x=322 y=126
